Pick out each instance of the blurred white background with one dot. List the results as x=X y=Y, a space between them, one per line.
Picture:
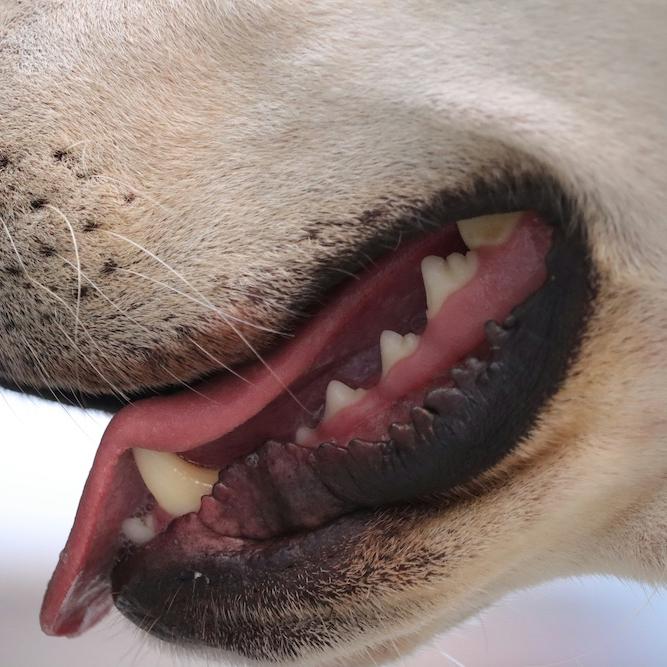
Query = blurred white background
x=48 y=450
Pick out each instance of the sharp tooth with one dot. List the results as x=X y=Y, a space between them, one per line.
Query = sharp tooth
x=339 y=396
x=443 y=277
x=139 y=529
x=177 y=485
x=394 y=347
x=488 y=230
x=303 y=435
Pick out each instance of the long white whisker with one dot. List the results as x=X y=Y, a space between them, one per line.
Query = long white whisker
x=55 y=209
x=66 y=306
x=41 y=369
x=47 y=383
x=451 y=658
x=77 y=143
x=77 y=314
x=114 y=388
x=217 y=361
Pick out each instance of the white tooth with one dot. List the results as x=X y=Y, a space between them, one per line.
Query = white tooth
x=443 y=277
x=394 y=347
x=303 y=435
x=139 y=529
x=177 y=485
x=488 y=230
x=339 y=396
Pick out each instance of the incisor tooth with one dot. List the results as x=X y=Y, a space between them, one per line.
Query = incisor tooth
x=339 y=396
x=303 y=434
x=394 y=347
x=139 y=529
x=177 y=485
x=443 y=277
x=488 y=230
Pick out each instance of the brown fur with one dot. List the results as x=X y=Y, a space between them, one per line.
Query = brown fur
x=246 y=144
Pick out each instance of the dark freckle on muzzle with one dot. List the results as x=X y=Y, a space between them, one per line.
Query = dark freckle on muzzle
x=38 y=203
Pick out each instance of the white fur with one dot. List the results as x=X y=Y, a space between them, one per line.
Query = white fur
x=239 y=126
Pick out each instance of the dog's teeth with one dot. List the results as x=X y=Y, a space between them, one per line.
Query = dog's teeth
x=303 y=435
x=394 y=347
x=443 y=277
x=339 y=396
x=488 y=230
x=139 y=529
x=177 y=485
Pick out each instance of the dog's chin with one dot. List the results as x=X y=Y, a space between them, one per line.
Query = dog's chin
x=266 y=512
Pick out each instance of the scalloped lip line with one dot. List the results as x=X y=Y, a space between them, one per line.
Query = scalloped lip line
x=78 y=594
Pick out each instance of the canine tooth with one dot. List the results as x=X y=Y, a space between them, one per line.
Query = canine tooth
x=443 y=277
x=303 y=435
x=394 y=347
x=139 y=529
x=177 y=485
x=339 y=396
x=488 y=230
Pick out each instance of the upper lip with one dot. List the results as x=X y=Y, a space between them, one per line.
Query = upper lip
x=171 y=433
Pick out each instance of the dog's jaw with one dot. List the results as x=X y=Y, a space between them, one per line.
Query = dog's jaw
x=333 y=138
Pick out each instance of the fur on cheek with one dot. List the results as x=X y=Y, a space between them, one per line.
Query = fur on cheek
x=174 y=175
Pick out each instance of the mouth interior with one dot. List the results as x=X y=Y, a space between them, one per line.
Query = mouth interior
x=391 y=346
x=389 y=342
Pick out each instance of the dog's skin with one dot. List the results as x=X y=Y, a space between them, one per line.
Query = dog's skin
x=249 y=144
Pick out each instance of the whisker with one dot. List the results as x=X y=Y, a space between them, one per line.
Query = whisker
x=117 y=392
x=234 y=329
x=48 y=291
x=69 y=309
x=143 y=194
x=170 y=211
x=55 y=209
x=229 y=369
x=188 y=386
x=148 y=331
x=451 y=658
x=205 y=304
x=47 y=380
x=349 y=274
x=225 y=317
x=144 y=328
x=63 y=303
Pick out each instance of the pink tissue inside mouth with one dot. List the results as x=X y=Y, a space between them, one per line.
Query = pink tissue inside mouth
x=230 y=417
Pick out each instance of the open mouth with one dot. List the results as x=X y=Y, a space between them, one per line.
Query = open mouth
x=413 y=379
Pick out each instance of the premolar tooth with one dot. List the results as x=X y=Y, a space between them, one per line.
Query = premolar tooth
x=394 y=347
x=177 y=485
x=339 y=396
x=488 y=230
x=443 y=277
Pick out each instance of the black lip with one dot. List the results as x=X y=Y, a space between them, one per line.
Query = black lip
x=461 y=432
